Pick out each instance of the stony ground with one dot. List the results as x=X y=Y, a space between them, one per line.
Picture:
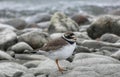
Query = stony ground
x=97 y=52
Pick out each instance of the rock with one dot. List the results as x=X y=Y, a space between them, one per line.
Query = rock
x=80 y=19
x=104 y=24
x=18 y=74
x=20 y=32
x=20 y=47
x=10 y=68
x=92 y=65
x=115 y=12
x=38 y=18
x=17 y=23
x=2 y=75
x=98 y=44
x=41 y=76
x=111 y=49
x=5 y=56
x=83 y=28
x=116 y=55
x=112 y=38
x=32 y=25
x=11 y=53
x=30 y=57
x=44 y=25
x=80 y=49
x=8 y=38
x=49 y=67
x=32 y=64
x=5 y=26
x=62 y=23
x=103 y=52
x=35 y=39
x=28 y=75
x=55 y=35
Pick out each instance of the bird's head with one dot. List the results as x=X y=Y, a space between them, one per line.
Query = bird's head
x=70 y=36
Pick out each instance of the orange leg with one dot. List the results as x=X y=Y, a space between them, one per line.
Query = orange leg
x=59 y=68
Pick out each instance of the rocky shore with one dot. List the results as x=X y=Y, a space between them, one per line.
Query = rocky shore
x=97 y=53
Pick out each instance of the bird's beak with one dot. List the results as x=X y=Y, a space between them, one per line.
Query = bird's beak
x=75 y=38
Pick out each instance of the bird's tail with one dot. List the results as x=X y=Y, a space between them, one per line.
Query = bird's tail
x=38 y=51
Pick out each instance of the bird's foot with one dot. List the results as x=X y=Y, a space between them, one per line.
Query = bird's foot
x=61 y=70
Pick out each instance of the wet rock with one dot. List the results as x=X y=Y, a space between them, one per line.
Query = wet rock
x=112 y=38
x=32 y=64
x=80 y=19
x=10 y=68
x=61 y=23
x=5 y=26
x=104 y=24
x=30 y=57
x=17 y=23
x=38 y=18
x=35 y=39
x=21 y=47
x=5 y=56
x=8 y=38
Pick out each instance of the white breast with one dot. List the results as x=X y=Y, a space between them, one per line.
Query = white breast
x=63 y=53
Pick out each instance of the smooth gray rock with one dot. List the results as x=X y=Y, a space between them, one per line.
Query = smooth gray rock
x=104 y=24
x=10 y=68
x=44 y=25
x=112 y=38
x=38 y=18
x=92 y=65
x=21 y=47
x=49 y=67
x=61 y=23
x=17 y=23
x=32 y=64
x=5 y=26
x=20 y=32
x=28 y=75
x=5 y=56
x=98 y=44
x=8 y=38
x=30 y=57
x=35 y=39
x=116 y=55
x=111 y=49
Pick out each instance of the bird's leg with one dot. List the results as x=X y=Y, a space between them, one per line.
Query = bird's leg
x=60 y=69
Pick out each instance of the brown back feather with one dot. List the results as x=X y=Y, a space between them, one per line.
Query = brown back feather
x=54 y=44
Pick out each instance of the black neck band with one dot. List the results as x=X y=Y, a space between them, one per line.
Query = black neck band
x=68 y=40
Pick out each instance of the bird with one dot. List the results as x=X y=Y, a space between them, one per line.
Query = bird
x=60 y=48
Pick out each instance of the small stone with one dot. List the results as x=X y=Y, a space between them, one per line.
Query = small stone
x=21 y=47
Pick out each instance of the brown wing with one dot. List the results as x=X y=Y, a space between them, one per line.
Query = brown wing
x=54 y=44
